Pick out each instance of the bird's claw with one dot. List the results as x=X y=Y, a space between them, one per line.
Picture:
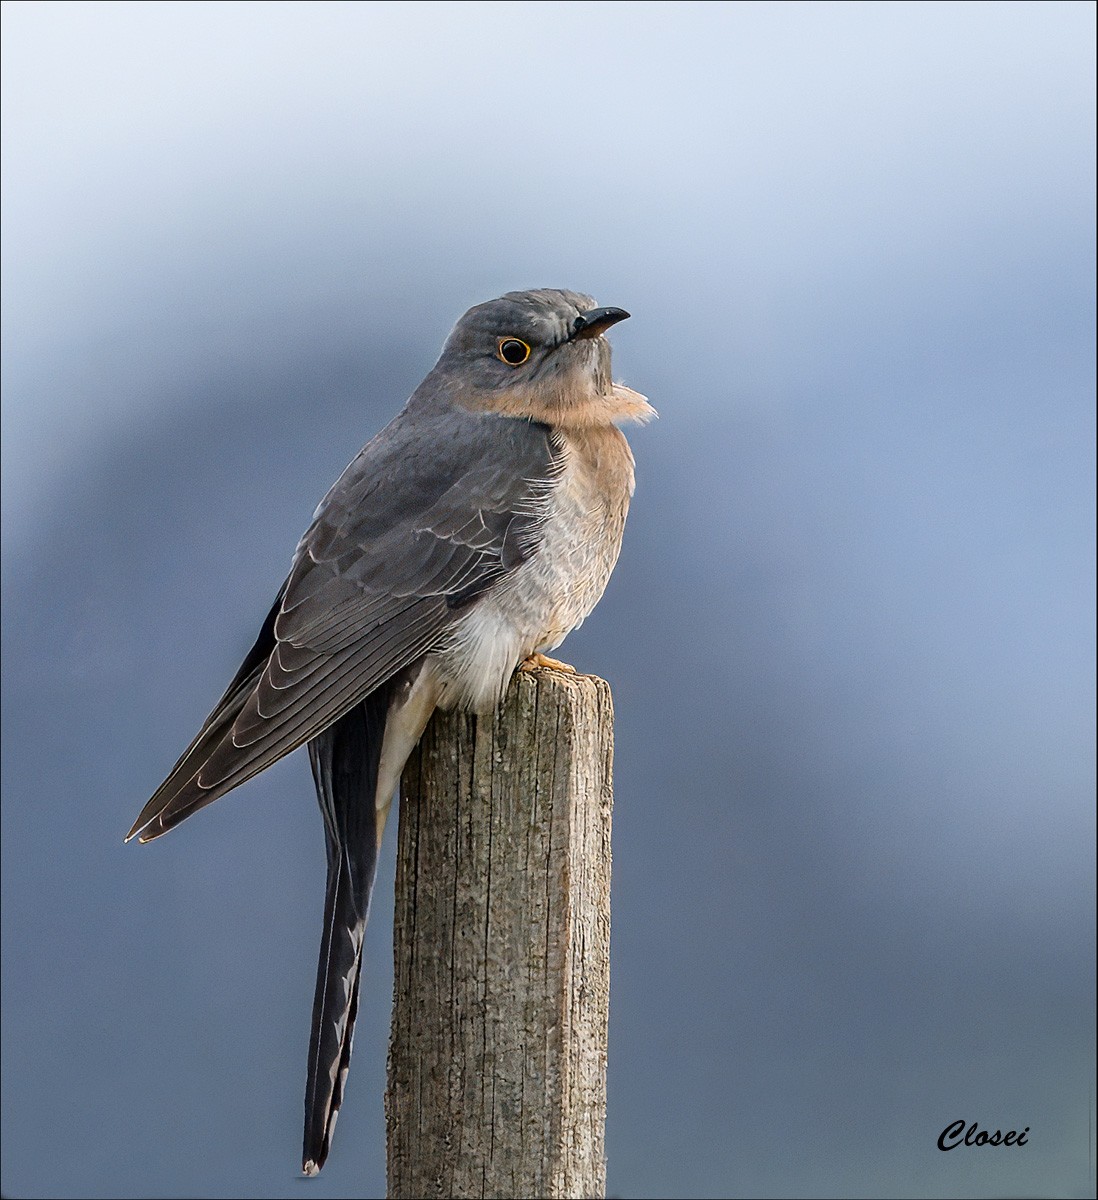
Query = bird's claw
x=536 y=662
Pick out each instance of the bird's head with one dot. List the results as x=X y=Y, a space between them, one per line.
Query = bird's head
x=539 y=354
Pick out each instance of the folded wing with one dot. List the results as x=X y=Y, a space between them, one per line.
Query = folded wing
x=411 y=534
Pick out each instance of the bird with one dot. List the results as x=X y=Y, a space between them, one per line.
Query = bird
x=463 y=542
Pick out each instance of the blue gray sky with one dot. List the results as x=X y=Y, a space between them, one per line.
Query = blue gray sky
x=851 y=636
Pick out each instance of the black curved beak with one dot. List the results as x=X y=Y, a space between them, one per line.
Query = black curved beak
x=591 y=324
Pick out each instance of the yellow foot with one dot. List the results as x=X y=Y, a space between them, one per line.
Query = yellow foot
x=536 y=661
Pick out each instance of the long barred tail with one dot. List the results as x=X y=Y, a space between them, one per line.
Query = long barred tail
x=345 y=759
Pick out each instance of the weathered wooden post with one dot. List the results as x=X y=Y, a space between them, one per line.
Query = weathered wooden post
x=497 y=1061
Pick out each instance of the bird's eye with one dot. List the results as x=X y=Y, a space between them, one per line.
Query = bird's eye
x=513 y=351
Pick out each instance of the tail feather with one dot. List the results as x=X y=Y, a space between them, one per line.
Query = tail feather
x=345 y=760
x=334 y=1010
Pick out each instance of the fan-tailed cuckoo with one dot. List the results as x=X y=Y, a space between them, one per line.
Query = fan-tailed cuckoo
x=466 y=539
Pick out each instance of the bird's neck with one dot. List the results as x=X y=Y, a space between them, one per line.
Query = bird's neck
x=619 y=405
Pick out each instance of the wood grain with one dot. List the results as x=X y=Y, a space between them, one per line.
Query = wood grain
x=497 y=1060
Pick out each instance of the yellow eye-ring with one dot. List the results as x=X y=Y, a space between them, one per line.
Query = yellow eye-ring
x=513 y=351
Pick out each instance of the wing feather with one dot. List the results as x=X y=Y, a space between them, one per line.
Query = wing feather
x=432 y=512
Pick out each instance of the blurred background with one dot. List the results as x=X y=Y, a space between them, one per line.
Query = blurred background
x=851 y=635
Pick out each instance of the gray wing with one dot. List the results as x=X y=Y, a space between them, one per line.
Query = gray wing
x=417 y=527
